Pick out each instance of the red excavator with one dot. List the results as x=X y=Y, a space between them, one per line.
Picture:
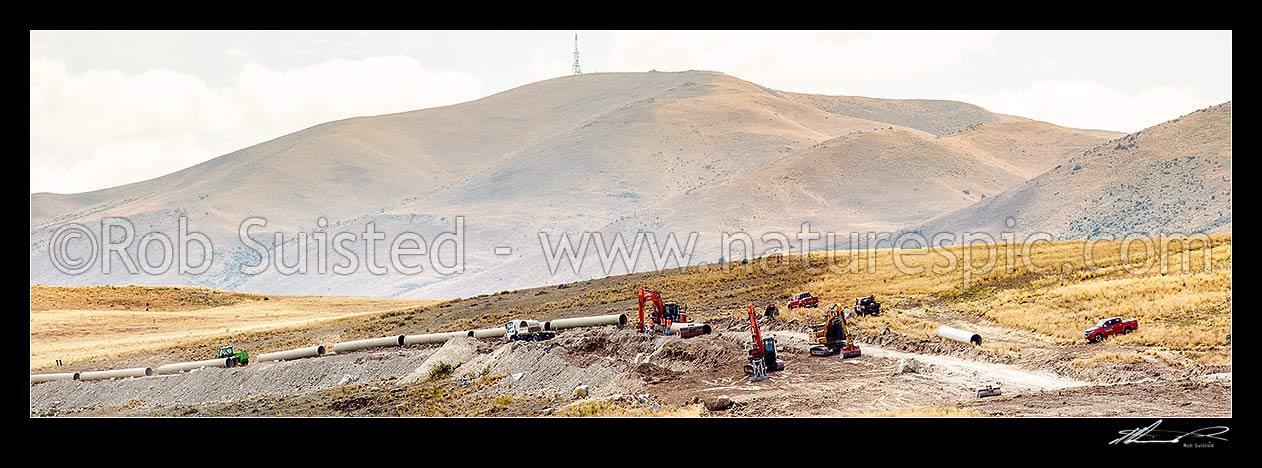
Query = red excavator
x=762 y=357
x=664 y=314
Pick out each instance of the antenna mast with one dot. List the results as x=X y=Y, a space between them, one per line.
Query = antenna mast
x=577 y=69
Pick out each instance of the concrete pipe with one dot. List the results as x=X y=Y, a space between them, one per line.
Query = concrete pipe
x=963 y=336
x=167 y=369
x=117 y=373
x=689 y=330
x=368 y=343
x=489 y=333
x=41 y=378
x=433 y=337
x=299 y=353
x=594 y=321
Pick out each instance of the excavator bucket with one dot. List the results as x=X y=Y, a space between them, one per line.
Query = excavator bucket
x=851 y=352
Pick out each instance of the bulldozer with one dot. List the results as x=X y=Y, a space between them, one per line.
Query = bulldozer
x=762 y=357
x=239 y=358
x=832 y=336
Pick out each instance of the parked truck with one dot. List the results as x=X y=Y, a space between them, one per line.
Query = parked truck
x=527 y=330
x=803 y=299
x=1109 y=327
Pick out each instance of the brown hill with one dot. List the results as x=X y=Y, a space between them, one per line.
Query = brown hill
x=690 y=151
x=1173 y=178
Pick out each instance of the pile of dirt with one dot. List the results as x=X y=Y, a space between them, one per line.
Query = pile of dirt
x=454 y=352
x=549 y=368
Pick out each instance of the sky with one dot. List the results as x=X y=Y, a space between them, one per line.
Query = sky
x=114 y=107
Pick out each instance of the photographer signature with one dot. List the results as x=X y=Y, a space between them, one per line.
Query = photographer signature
x=1150 y=434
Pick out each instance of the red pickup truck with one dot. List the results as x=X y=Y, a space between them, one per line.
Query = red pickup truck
x=803 y=299
x=1109 y=327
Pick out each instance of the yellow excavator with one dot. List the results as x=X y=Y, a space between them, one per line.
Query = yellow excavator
x=833 y=335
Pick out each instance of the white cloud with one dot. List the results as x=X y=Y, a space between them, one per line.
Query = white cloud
x=102 y=128
x=818 y=62
x=238 y=52
x=1090 y=104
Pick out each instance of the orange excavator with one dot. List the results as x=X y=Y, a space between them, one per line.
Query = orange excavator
x=762 y=356
x=664 y=314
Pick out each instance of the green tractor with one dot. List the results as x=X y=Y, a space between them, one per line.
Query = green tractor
x=239 y=358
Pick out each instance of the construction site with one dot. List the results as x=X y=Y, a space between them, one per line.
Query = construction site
x=615 y=347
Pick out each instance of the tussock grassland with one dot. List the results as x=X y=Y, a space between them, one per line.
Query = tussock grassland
x=78 y=323
x=1180 y=292
x=1121 y=358
x=1179 y=289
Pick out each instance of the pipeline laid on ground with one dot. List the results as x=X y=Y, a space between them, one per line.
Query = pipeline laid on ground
x=488 y=333
x=117 y=373
x=593 y=321
x=41 y=378
x=433 y=337
x=963 y=336
x=299 y=353
x=368 y=343
x=175 y=368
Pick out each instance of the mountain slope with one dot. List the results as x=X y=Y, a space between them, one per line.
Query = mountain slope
x=603 y=152
x=1171 y=178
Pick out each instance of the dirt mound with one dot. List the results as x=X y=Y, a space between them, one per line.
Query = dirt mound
x=454 y=352
x=652 y=373
x=550 y=368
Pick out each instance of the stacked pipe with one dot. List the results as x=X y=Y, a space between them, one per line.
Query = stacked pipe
x=116 y=373
x=593 y=321
x=368 y=343
x=41 y=378
x=433 y=337
x=299 y=353
x=178 y=367
x=488 y=333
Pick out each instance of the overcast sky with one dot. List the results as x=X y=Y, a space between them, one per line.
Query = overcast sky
x=110 y=108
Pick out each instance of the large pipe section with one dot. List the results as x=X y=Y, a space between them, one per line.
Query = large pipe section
x=593 y=321
x=963 y=336
x=41 y=378
x=178 y=367
x=117 y=373
x=368 y=343
x=689 y=330
x=489 y=333
x=432 y=337
x=313 y=351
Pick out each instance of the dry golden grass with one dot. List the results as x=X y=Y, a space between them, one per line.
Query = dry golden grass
x=926 y=412
x=138 y=298
x=1096 y=359
x=1181 y=295
x=1001 y=348
x=1053 y=290
x=75 y=334
x=604 y=408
